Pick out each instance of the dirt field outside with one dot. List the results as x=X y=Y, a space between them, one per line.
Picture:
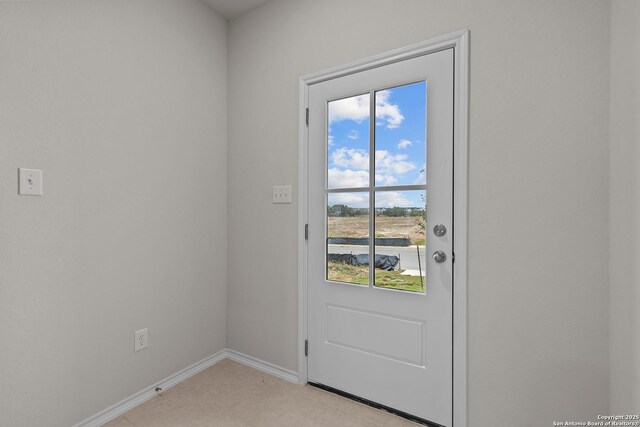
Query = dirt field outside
x=358 y=226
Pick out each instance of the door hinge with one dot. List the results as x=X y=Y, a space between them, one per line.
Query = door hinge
x=306 y=232
x=453 y=257
x=307 y=116
x=306 y=347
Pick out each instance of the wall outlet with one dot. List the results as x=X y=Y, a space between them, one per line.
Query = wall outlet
x=281 y=194
x=141 y=340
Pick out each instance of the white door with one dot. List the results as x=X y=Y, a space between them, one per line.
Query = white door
x=382 y=330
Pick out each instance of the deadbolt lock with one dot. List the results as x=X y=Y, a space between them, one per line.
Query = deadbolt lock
x=439 y=230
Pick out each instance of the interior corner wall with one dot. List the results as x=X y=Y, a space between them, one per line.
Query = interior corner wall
x=538 y=182
x=624 y=220
x=122 y=104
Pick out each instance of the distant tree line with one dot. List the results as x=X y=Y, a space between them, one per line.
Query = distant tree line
x=344 y=210
x=396 y=211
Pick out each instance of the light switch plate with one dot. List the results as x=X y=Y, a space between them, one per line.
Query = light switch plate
x=29 y=182
x=281 y=194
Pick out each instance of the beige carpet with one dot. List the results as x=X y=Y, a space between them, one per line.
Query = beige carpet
x=233 y=395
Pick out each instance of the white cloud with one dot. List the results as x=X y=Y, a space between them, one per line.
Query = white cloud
x=404 y=143
x=347 y=178
x=354 y=200
x=392 y=164
x=386 y=111
x=356 y=108
x=352 y=158
x=351 y=168
x=390 y=199
x=353 y=134
x=386 y=163
x=386 y=179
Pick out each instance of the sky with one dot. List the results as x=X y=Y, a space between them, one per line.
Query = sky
x=400 y=145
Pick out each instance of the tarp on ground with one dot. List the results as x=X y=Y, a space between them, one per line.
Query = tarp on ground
x=383 y=262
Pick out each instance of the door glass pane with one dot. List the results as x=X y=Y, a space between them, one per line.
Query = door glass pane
x=348 y=238
x=400 y=243
x=348 y=142
x=401 y=135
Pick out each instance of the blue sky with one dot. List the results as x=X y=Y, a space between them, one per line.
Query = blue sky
x=400 y=144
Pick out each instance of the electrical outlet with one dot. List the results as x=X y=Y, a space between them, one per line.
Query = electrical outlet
x=141 y=340
x=281 y=194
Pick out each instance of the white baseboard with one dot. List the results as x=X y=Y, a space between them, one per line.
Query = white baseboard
x=263 y=366
x=142 y=396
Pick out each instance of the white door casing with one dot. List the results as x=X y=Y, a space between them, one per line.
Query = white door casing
x=344 y=322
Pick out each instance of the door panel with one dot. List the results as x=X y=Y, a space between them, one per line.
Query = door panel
x=380 y=179
x=377 y=334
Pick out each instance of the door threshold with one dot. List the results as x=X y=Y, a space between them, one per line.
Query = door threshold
x=376 y=405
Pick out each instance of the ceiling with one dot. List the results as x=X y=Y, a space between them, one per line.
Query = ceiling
x=233 y=8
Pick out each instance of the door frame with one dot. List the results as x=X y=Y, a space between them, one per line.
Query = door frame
x=459 y=41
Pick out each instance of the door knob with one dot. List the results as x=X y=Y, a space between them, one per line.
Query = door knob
x=439 y=257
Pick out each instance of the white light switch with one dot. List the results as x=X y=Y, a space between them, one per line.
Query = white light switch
x=281 y=194
x=29 y=182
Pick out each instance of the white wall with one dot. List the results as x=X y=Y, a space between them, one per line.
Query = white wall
x=123 y=105
x=538 y=259
x=624 y=219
